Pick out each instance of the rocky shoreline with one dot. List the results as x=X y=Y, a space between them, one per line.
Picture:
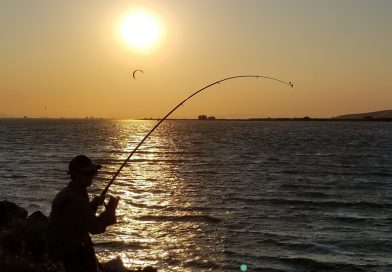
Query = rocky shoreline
x=22 y=243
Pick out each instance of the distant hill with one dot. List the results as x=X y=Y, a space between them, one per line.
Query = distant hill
x=3 y=115
x=384 y=114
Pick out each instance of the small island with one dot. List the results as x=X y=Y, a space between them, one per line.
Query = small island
x=205 y=117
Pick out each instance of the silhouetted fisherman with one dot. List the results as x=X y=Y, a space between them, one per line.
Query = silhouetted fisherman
x=73 y=217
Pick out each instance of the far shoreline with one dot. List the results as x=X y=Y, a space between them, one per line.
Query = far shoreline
x=264 y=119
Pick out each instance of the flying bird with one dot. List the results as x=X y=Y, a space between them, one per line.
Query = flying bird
x=134 y=72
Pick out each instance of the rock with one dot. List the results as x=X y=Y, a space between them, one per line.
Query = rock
x=37 y=216
x=35 y=234
x=149 y=269
x=116 y=265
x=9 y=211
x=20 y=235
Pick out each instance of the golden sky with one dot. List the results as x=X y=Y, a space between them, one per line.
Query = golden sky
x=67 y=58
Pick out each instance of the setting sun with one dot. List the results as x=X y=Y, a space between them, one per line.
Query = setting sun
x=140 y=30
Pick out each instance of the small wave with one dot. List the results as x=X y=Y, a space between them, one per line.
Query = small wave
x=314 y=265
x=351 y=219
x=34 y=206
x=244 y=199
x=293 y=186
x=116 y=162
x=15 y=176
x=168 y=161
x=316 y=248
x=205 y=264
x=170 y=152
x=370 y=245
x=141 y=205
x=347 y=172
x=183 y=218
x=202 y=172
x=121 y=244
x=313 y=248
x=293 y=172
x=188 y=209
x=313 y=194
x=328 y=204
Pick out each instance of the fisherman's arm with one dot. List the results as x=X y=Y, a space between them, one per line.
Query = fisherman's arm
x=96 y=202
x=98 y=224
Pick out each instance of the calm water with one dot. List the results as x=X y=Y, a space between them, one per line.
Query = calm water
x=210 y=196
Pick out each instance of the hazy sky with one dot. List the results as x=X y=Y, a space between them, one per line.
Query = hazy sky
x=66 y=59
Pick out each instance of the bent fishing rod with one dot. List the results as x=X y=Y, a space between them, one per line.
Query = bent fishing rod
x=103 y=194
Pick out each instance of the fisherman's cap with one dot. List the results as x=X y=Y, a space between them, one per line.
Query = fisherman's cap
x=82 y=163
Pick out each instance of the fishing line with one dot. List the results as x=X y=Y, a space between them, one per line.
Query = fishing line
x=176 y=107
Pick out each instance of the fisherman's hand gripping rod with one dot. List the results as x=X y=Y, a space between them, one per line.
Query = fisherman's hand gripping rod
x=176 y=107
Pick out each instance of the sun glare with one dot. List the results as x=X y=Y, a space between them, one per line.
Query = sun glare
x=140 y=30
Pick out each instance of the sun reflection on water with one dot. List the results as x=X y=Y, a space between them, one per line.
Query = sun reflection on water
x=155 y=217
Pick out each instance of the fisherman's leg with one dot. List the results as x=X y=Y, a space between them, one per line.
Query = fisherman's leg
x=90 y=260
x=73 y=261
x=81 y=260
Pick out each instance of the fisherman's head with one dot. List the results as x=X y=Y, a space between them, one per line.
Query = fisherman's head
x=82 y=170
